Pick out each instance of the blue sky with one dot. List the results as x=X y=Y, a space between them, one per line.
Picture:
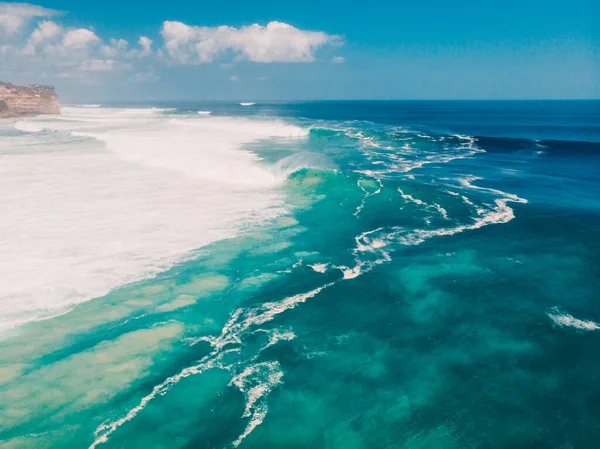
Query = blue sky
x=325 y=49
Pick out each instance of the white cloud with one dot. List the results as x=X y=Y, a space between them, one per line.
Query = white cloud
x=57 y=51
x=120 y=48
x=45 y=30
x=51 y=45
x=98 y=65
x=50 y=39
x=116 y=47
x=338 y=60
x=72 y=51
x=79 y=38
x=275 y=42
x=13 y=16
x=145 y=77
x=146 y=44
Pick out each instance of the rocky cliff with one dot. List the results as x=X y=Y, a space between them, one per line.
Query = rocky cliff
x=32 y=99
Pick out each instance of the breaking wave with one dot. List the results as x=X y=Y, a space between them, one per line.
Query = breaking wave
x=139 y=191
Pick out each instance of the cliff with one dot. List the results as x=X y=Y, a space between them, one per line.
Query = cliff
x=32 y=99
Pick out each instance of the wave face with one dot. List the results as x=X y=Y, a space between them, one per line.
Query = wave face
x=333 y=274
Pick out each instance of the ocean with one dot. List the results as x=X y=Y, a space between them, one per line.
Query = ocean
x=352 y=275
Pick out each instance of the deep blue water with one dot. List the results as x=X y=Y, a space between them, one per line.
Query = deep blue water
x=433 y=283
x=576 y=120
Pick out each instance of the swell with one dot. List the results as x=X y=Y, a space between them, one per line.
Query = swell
x=550 y=147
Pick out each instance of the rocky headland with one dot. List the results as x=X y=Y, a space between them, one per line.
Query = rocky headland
x=31 y=99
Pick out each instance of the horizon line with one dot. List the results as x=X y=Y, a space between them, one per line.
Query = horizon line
x=337 y=100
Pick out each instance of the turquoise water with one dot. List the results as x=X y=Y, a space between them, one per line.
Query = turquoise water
x=427 y=276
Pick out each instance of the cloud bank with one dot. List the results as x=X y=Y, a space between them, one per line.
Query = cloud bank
x=275 y=42
x=13 y=16
x=33 y=40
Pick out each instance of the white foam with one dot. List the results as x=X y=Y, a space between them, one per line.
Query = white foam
x=208 y=149
x=468 y=183
x=257 y=418
x=204 y=112
x=435 y=207
x=499 y=213
x=206 y=363
x=247 y=104
x=371 y=246
x=393 y=159
x=277 y=335
x=443 y=212
x=351 y=273
x=79 y=220
x=502 y=213
x=256 y=382
x=241 y=321
x=319 y=267
x=370 y=251
x=367 y=194
x=564 y=319
x=411 y=198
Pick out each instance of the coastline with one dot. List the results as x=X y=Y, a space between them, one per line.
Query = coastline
x=28 y=100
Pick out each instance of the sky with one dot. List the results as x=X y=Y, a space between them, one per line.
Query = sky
x=306 y=50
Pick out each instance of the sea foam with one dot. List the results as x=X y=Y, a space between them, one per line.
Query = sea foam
x=255 y=380
x=99 y=198
x=562 y=319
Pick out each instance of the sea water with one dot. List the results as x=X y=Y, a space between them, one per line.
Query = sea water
x=327 y=275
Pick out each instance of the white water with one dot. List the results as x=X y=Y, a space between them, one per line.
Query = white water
x=98 y=198
x=562 y=319
x=319 y=267
x=256 y=391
